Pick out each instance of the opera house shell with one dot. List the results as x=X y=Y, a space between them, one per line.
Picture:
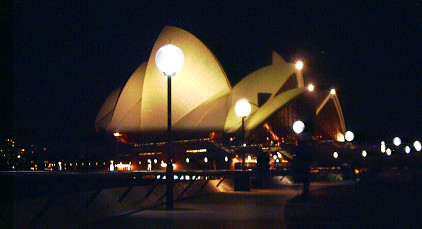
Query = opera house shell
x=203 y=99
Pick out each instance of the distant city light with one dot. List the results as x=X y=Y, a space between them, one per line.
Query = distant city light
x=333 y=91
x=340 y=137
x=396 y=141
x=417 y=146
x=335 y=155
x=187 y=160
x=206 y=159
x=249 y=158
x=226 y=159
x=299 y=65
x=311 y=87
x=407 y=149
x=382 y=147
x=364 y=153
x=111 y=165
x=116 y=134
x=388 y=151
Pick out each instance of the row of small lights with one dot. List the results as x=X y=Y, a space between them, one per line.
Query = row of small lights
x=396 y=141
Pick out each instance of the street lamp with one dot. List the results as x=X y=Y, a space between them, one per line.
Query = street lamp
x=349 y=136
x=311 y=87
x=299 y=65
x=335 y=155
x=169 y=60
x=417 y=146
x=396 y=141
x=298 y=127
x=364 y=153
x=243 y=109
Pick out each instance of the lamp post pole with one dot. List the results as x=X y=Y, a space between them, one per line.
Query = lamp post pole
x=243 y=109
x=169 y=167
x=243 y=142
x=169 y=59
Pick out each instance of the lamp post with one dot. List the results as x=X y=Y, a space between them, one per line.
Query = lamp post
x=243 y=109
x=396 y=141
x=349 y=136
x=169 y=60
x=417 y=145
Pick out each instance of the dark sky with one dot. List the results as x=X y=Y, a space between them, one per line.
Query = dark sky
x=69 y=55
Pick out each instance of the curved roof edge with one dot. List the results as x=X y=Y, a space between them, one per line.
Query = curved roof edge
x=338 y=109
x=129 y=98
x=107 y=108
x=271 y=107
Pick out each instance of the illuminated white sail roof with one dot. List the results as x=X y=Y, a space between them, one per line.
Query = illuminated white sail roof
x=202 y=97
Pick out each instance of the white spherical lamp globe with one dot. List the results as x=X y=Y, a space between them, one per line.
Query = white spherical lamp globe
x=349 y=136
x=417 y=145
x=169 y=59
x=298 y=127
x=242 y=108
x=335 y=155
x=299 y=65
x=396 y=141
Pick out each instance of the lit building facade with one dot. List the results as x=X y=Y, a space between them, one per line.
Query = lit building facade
x=203 y=116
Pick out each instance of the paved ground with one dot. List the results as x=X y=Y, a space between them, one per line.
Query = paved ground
x=391 y=204
x=385 y=202
x=258 y=208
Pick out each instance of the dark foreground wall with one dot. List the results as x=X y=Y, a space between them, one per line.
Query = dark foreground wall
x=69 y=200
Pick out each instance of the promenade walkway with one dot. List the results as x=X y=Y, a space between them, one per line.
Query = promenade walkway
x=392 y=199
x=258 y=208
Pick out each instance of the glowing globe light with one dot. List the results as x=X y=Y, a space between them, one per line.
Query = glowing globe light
x=364 y=153
x=333 y=91
x=396 y=141
x=169 y=59
x=417 y=146
x=226 y=159
x=335 y=155
x=407 y=149
x=298 y=127
x=299 y=65
x=206 y=159
x=388 y=151
x=242 y=108
x=116 y=134
x=311 y=87
x=187 y=160
x=349 y=136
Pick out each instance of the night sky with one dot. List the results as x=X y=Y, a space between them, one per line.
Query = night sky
x=68 y=56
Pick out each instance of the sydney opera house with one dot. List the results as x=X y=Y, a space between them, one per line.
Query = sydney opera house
x=206 y=127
